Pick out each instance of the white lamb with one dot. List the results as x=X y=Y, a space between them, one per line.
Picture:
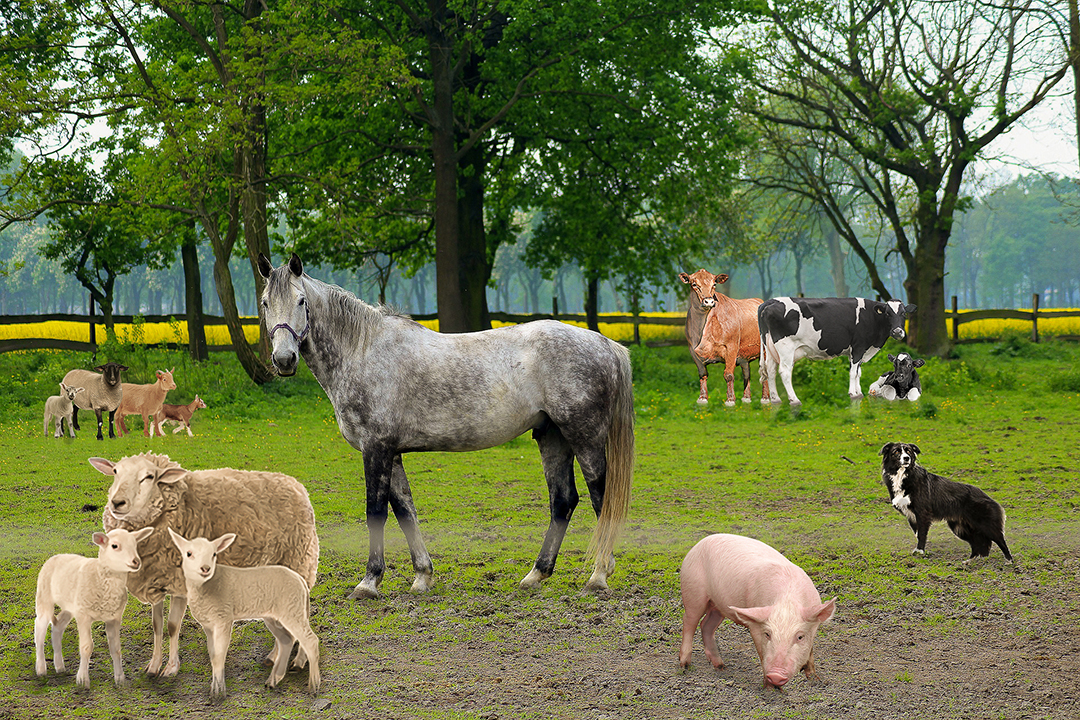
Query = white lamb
x=86 y=589
x=219 y=595
x=61 y=407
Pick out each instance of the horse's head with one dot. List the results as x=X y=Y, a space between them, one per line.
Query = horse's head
x=285 y=310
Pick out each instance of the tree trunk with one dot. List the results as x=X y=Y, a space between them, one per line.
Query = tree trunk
x=836 y=260
x=474 y=270
x=1074 y=61
x=189 y=255
x=925 y=285
x=592 y=302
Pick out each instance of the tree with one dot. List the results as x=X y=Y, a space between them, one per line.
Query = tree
x=904 y=96
x=95 y=236
x=497 y=85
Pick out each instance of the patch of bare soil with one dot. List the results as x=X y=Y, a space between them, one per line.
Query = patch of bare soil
x=618 y=659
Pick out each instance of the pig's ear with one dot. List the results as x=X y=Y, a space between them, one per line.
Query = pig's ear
x=819 y=613
x=752 y=616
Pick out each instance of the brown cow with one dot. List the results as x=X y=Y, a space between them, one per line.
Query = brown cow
x=719 y=329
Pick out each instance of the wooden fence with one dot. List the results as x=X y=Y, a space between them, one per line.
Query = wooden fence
x=955 y=317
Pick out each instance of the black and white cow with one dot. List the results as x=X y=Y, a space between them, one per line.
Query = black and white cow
x=900 y=383
x=796 y=328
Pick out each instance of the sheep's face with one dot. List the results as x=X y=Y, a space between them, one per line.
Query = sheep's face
x=199 y=556
x=111 y=372
x=118 y=549
x=136 y=497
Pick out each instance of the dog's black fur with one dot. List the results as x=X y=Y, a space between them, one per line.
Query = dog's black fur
x=923 y=498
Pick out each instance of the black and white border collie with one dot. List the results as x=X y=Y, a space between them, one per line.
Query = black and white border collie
x=923 y=498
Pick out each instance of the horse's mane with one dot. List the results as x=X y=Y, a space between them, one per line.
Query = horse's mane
x=349 y=314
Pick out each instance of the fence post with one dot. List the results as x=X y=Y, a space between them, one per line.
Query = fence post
x=93 y=324
x=554 y=304
x=955 y=324
x=1035 y=317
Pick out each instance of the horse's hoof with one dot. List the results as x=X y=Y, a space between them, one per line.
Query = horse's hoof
x=597 y=583
x=422 y=584
x=533 y=579
x=365 y=591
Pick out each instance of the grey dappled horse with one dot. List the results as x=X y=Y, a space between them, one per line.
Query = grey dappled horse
x=399 y=387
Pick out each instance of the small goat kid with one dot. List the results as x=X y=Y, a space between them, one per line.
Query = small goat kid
x=179 y=414
x=219 y=595
x=86 y=589
x=145 y=400
x=60 y=408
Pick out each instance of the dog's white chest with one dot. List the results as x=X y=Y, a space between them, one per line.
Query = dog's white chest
x=900 y=499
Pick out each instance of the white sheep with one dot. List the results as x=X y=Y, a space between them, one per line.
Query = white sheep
x=60 y=408
x=86 y=589
x=103 y=393
x=219 y=595
x=270 y=511
x=145 y=400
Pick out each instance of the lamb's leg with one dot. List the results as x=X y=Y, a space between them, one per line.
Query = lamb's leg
x=86 y=648
x=283 y=645
x=309 y=646
x=217 y=642
x=59 y=625
x=112 y=634
x=41 y=626
x=71 y=430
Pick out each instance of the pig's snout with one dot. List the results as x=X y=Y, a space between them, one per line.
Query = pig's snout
x=776 y=679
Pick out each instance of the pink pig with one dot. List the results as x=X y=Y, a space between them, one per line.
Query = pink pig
x=750 y=583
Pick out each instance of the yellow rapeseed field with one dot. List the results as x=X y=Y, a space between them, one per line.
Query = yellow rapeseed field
x=155 y=333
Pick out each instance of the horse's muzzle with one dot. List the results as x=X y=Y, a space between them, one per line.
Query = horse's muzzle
x=285 y=363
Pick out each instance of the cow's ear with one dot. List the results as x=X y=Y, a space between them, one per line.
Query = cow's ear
x=909 y=309
x=892 y=358
x=879 y=309
x=684 y=277
x=918 y=362
x=720 y=279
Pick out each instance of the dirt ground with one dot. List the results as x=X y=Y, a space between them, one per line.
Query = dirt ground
x=615 y=657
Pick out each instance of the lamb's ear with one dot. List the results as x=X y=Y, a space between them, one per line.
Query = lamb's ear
x=265 y=268
x=143 y=533
x=79 y=390
x=103 y=466
x=224 y=541
x=100 y=539
x=178 y=540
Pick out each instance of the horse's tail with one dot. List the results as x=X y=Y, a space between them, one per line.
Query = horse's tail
x=620 y=468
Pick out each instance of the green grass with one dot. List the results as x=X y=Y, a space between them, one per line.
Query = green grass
x=807 y=483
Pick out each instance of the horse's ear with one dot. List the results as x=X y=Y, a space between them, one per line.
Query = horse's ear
x=295 y=265
x=265 y=268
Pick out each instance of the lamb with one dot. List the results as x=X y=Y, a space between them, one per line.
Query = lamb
x=270 y=511
x=103 y=393
x=60 y=407
x=145 y=400
x=179 y=414
x=88 y=590
x=220 y=595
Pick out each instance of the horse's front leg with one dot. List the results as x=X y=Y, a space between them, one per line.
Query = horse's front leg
x=558 y=459
x=405 y=511
x=378 y=469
